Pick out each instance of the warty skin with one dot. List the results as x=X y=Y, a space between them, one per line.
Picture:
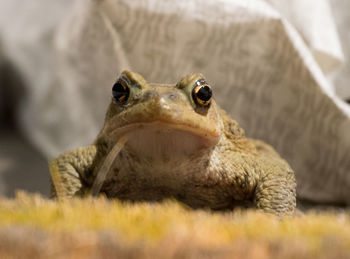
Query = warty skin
x=181 y=145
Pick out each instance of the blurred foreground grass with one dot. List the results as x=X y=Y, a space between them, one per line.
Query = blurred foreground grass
x=31 y=226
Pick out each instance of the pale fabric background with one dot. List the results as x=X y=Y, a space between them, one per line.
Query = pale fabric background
x=280 y=68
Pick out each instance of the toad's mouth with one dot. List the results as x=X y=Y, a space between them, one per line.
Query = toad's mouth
x=158 y=127
x=161 y=139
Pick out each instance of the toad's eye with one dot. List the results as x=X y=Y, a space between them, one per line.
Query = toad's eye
x=202 y=93
x=121 y=90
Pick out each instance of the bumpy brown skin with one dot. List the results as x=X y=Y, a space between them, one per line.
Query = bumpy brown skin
x=198 y=155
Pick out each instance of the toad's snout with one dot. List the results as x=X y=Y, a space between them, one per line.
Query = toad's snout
x=170 y=96
x=162 y=103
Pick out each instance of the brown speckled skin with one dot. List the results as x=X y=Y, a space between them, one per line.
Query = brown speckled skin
x=176 y=149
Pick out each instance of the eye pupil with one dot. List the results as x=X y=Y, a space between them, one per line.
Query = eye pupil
x=204 y=93
x=120 y=91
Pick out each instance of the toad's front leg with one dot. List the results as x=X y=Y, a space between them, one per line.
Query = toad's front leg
x=276 y=191
x=71 y=170
x=267 y=181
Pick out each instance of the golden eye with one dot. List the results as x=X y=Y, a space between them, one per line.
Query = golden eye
x=202 y=93
x=121 y=90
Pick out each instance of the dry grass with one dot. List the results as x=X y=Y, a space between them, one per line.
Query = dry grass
x=31 y=226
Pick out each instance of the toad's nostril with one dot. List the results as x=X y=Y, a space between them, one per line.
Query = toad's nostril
x=172 y=96
x=150 y=94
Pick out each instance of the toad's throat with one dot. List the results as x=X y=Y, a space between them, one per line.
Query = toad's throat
x=165 y=142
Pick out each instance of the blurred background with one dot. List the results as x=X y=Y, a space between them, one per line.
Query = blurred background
x=280 y=68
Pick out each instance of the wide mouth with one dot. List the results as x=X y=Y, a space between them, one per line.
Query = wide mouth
x=163 y=127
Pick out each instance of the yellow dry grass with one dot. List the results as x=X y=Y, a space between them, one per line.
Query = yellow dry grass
x=33 y=226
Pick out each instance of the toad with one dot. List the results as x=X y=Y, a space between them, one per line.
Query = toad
x=179 y=144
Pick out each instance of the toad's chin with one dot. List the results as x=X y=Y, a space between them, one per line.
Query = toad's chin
x=159 y=140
